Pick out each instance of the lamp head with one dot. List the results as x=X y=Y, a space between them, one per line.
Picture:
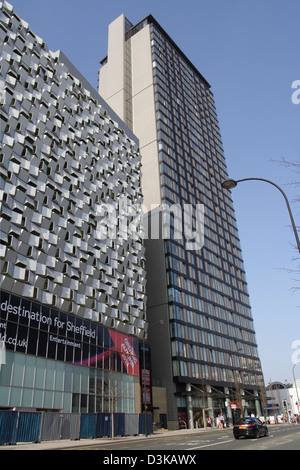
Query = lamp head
x=229 y=184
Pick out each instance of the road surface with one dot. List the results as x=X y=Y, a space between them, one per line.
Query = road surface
x=281 y=437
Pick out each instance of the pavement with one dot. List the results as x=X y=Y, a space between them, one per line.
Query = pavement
x=72 y=444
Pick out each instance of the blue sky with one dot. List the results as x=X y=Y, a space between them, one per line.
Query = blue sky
x=249 y=52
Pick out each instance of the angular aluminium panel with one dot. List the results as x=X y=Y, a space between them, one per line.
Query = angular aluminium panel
x=70 y=188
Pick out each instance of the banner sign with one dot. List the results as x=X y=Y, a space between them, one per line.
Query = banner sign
x=32 y=328
x=146 y=389
x=126 y=351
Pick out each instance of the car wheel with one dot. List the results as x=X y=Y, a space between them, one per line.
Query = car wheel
x=256 y=434
x=236 y=437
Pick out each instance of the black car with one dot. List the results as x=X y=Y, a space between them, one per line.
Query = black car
x=250 y=427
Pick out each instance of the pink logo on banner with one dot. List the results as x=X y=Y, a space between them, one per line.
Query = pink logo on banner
x=124 y=347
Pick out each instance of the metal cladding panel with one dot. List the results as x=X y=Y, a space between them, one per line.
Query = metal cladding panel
x=51 y=427
x=131 y=424
x=29 y=427
x=70 y=426
x=71 y=185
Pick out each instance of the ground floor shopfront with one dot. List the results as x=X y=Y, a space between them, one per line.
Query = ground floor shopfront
x=215 y=406
x=28 y=382
x=55 y=361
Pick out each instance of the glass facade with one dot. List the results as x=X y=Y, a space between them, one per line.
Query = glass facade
x=57 y=361
x=212 y=332
x=44 y=384
x=207 y=356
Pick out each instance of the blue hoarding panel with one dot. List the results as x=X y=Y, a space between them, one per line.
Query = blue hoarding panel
x=103 y=425
x=148 y=429
x=8 y=426
x=119 y=424
x=87 y=425
x=29 y=427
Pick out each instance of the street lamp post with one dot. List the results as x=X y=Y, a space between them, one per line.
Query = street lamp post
x=230 y=183
x=237 y=395
x=298 y=403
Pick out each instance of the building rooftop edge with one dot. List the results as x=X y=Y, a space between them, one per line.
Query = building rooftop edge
x=74 y=71
x=153 y=20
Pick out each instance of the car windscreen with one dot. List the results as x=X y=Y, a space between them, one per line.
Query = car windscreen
x=247 y=421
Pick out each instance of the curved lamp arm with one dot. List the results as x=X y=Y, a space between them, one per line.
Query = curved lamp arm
x=229 y=184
